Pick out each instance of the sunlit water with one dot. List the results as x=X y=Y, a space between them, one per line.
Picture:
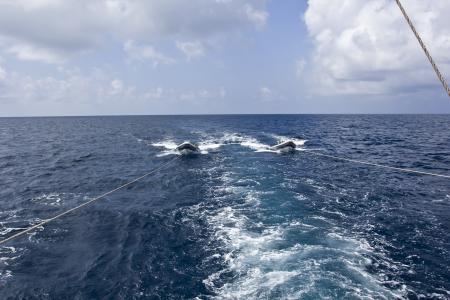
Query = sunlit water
x=237 y=221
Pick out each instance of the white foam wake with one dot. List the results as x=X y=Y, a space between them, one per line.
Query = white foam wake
x=266 y=259
x=169 y=147
x=249 y=253
x=281 y=139
x=209 y=144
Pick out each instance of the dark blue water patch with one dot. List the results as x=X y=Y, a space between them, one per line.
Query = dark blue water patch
x=233 y=222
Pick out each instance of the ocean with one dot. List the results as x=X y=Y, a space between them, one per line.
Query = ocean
x=234 y=222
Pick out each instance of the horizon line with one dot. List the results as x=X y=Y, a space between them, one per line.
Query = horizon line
x=213 y=114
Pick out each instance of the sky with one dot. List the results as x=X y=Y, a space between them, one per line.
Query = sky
x=120 y=57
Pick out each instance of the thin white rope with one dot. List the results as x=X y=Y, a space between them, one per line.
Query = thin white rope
x=377 y=165
x=422 y=44
x=85 y=203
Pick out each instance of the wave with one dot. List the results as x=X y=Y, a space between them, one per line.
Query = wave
x=14 y=221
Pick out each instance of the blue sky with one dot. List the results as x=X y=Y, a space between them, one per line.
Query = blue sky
x=219 y=56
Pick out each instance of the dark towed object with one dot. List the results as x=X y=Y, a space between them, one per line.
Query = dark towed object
x=187 y=148
x=287 y=146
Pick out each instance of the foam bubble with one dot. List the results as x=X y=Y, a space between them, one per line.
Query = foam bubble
x=281 y=139
x=301 y=197
x=291 y=259
x=7 y=256
x=52 y=199
x=6 y=230
x=5 y=274
x=256 y=284
x=256 y=145
x=211 y=143
x=233 y=138
x=169 y=147
x=167 y=144
x=250 y=254
x=205 y=146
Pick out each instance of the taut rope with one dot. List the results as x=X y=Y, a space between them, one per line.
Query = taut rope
x=160 y=167
x=376 y=165
x=427 y=53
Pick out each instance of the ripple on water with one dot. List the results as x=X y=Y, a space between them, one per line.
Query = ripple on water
x=264 y=226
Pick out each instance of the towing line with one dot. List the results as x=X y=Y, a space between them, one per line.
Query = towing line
x=29 y=229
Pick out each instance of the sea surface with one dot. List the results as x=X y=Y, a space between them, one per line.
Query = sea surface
x=235 y=222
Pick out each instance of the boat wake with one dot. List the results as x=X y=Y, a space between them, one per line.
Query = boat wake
x=210 y=144
x=266 y=255
x=170 y=147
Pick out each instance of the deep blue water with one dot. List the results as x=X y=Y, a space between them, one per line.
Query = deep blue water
x=232 y=223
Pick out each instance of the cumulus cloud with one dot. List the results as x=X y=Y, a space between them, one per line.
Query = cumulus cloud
x=270 y=94
x=2 y=73
x=146 y=52
x=197 y=96
x=97 y=87
x=366 y=47
x=50 y=29
x=257 y=16
x=265 y=92
x=191 y=49
x=154 y=94
x=73 y=86
x=33 y=53
x=116 y=86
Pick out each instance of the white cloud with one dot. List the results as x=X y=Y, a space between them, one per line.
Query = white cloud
x=197 y=96
x=191 y=49
x=51 y=27
x=146 y=52
x=116 y=86
x=74 y=26
x=265 y=92
x=366 y=47
x=145 y=19
x=33 y=4
x=30 y=52
x=156 y=93
x=2 y=73
x=75 y=88
x=257 y=16
x=269 y=94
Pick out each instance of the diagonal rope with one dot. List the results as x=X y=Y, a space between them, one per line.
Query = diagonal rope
x=29 y=229
x=427 y=53
x=377 y=165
